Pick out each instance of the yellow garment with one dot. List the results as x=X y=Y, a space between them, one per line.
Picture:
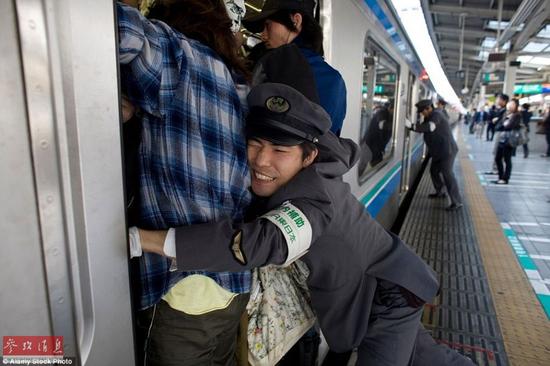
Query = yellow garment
x=197 y=294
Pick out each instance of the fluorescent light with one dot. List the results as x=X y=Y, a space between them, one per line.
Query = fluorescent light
x=493 y=24
x=540 y=61
x=412 y=17
x=525 y=59
x=534 y=47
x=489 y=42
x=544 y=32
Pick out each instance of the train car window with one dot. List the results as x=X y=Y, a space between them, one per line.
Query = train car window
x=379 y=92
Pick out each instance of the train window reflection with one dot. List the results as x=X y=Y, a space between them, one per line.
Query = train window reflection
x=379 y=92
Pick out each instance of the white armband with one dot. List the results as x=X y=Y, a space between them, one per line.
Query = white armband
x=432 y=126
x=295 y=227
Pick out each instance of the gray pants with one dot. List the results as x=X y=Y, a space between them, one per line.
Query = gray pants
x=442 y=174
x=392 y=331
x=176 y=338
x=429 y=353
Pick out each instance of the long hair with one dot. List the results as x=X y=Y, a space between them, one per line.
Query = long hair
x=311 y=35
x=205 y=21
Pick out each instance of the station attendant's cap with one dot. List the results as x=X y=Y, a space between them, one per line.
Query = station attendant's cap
x=284 y=116
x=255 y=23
x=504 y=97
x=423 y=104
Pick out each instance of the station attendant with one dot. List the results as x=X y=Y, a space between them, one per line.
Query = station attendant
x=367 y=287
x=442 y=148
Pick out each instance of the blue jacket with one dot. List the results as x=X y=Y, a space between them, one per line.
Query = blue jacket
x=331 y=88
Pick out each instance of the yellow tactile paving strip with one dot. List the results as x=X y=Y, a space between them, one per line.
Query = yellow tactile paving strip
x=523 y=323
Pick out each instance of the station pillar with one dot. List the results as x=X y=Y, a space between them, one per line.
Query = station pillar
x=509 y=77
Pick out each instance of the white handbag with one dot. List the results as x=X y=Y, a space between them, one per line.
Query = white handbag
x=279 y=312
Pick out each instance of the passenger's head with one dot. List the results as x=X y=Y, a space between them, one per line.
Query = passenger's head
x=502 y=100
x=513 y=105
x=441 y=103
x=207 y=21
x=283 y=130
x=281 y=21
x=424 y=107
x=526 y=106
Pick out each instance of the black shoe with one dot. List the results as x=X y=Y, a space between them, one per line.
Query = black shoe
x=544 y=155
x=490 y=173
x=454 y=207
x=436 y=195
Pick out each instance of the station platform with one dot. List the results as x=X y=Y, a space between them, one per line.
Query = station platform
x=492 y=256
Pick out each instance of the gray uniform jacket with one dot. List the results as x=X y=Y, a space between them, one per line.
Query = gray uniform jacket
x=440 y=141
x=349 y=249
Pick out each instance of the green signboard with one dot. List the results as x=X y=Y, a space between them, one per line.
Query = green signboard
x=378 y=89
x=528 y=89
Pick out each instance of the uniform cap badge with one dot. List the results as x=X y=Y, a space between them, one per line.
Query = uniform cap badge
x=277 y=104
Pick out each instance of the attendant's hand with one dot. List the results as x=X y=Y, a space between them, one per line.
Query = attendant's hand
x=150 y=241
x=408 y=124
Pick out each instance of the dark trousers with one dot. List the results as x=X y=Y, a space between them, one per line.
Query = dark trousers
x=441 y=171
x=548 y=143
x=504 y=156
x=393 y=326
x=174 y=338
x=491 y=129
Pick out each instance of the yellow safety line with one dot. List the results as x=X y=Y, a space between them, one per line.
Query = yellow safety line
x=523 y=323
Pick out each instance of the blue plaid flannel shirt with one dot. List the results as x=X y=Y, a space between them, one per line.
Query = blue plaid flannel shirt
x=192 y=155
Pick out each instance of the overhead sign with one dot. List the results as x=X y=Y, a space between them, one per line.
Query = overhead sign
x=497 y=57
x=529 y=88
x=493 y=77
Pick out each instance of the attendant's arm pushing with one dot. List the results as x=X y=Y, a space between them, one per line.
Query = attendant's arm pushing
x=278 y=237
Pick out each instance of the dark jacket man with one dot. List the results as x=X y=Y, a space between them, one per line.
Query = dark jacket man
x=442 y=148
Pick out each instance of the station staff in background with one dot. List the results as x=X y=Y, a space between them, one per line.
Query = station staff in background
x=367 y=287
x=442 y=148
x=292 y=21
x=179 y=71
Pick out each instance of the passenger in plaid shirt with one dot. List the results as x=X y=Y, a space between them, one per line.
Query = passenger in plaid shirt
x=192 y=168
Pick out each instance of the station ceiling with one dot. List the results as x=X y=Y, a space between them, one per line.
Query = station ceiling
x=524 y=29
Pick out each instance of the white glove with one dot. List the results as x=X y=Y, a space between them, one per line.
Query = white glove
x=408 y=123
x=169 y=247
x=135 y=242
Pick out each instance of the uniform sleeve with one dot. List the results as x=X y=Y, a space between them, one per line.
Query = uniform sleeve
x=425 y=127
x=225 y=246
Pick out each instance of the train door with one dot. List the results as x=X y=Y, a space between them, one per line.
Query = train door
x=407 y=145
x=63 y=258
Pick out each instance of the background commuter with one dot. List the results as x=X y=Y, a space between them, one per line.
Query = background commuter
x=546 y=128
x=526 y=118
x=180 y=73
x=497 y=113
x=292 y=21
x=505 y=149
x=442 y=148
x=441 y=105
x=471 y=121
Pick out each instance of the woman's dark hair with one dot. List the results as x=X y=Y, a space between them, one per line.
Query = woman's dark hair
x=516 y=102
x=307 y=149
x=311 y=35
x=205 y=21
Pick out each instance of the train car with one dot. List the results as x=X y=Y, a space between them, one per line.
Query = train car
x=64 y=260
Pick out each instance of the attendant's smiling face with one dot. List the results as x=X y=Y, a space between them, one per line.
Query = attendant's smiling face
x=273 y=166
